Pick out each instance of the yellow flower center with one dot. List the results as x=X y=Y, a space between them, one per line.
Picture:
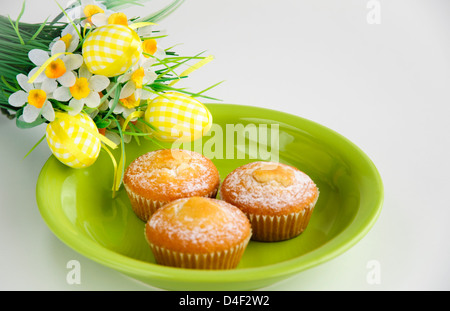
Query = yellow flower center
x=137 y=77
x=55 y=69
x=149 y=46
x=37 y=98
x=80 y=89
x=90 y=10
x=66 y=39
x=130 y=101
x=118 y=19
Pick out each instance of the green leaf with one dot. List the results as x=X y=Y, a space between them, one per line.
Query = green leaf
x=101 y=124
x=155 y=37
x=169 y=79
x=122 y=145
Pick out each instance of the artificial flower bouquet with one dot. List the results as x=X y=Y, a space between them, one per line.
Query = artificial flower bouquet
x=98 y=79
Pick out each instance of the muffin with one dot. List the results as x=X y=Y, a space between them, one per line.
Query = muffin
x=159 y=177
x=277 y=198
x=198 y=233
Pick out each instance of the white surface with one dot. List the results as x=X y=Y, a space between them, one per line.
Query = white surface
x=384 y=86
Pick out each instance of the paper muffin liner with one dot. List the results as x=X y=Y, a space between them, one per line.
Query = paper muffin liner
x=278 y=228
x=227 y=259
x=144 y=208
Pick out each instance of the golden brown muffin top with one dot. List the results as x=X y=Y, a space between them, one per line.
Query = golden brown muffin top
x=269 y=188
x=169 y=174
x=198 y=225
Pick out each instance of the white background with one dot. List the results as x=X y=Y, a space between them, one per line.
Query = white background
x=384 y=86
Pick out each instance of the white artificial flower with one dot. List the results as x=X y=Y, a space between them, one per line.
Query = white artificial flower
x=85 y=91
x=137 y=78
x=60 y=69
x=35 y=99
x=70 y=36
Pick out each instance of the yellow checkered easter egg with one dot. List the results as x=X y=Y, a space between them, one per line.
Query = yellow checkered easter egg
x=71 y=140
x=178 y=117
x=112 y=49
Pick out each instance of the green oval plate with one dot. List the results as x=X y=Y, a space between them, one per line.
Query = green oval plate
x=77 y=204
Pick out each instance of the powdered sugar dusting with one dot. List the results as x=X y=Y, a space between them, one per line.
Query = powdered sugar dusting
x=191 y=176
x=224 y=226
x=244 y=190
